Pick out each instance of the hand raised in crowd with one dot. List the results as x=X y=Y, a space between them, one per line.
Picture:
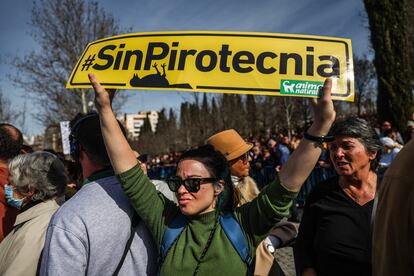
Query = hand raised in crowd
x=120 y=153
x=300 y=164
x=103 y=97
x=323 y=111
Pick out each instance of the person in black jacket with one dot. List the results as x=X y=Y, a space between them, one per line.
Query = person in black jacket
x=335 y=234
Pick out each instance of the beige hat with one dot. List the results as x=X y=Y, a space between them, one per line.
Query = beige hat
x=229 y=143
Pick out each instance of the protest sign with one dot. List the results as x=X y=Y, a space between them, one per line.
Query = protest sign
x=65 y=132
x=224 y=62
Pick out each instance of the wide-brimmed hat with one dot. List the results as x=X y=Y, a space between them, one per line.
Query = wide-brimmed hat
x=229 y=143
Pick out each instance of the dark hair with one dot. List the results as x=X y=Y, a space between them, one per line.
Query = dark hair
x=86 y=130
x=388 y=131
x=218 y=167
x=11 y=141
x=360 y=129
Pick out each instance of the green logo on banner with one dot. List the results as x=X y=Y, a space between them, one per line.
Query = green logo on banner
x=304 y=88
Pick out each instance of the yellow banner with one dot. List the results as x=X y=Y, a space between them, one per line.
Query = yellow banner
x=223 y=62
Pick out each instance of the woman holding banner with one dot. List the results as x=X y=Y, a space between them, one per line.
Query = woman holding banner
x=205 y=199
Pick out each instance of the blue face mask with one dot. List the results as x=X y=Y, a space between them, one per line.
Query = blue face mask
x=11 y=200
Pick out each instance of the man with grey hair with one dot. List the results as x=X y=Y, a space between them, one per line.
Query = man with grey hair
x=96 y=231
x=11 y=141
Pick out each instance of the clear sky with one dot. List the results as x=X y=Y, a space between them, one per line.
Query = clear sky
x=340 y=18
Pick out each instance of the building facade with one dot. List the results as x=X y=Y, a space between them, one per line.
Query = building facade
x=134 y=122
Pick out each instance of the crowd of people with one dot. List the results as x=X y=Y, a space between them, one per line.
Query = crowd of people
x=270 y=151
x=218 y=208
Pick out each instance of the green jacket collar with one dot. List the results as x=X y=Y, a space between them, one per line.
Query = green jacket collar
x=106 y=172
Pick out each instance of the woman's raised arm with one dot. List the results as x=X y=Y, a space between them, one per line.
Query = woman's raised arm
x=120 y=153
x=301 y=163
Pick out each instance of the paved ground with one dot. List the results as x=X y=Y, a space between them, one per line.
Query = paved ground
x=284 y=256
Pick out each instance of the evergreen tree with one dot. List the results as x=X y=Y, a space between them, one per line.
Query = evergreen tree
x=162 y=132
x=215 y=118
x=205 y=117
x=185 y=123
x=196 y=126
x=172 y=131
x=225 y=108
x=391 y=22
x=238 y=115
x=251 y=115
x=146 y=138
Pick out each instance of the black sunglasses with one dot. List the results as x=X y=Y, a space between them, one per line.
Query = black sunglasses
x=191 y=184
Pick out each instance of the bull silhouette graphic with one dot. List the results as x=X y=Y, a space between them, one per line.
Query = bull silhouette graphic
x=156 y=80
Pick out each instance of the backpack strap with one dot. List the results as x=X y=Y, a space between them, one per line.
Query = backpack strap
x=234 y=233
x=134 y=224
x=172 y=232
x=230 y=226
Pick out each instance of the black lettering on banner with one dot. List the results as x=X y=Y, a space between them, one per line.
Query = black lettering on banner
x=284 y=58
x=173 y=56
x=239 y=59
x=207 y=60
x=118 y=57
x=151 y=56
x=109 y=59
x=183 y=57
x=334 y=67
x=138 y=61
x=212 y=62
x=224 y=53
x=260 y=63
x=309 y=62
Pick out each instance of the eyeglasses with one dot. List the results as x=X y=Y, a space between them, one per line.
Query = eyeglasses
x=191 y=184
x=244 y=158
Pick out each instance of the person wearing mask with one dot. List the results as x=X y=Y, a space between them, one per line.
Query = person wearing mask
x=36 y=187
x=11 y=142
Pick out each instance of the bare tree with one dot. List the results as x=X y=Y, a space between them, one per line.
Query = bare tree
x=62 y=29
x=6 y=114
x=289 y=109
x=364 y=80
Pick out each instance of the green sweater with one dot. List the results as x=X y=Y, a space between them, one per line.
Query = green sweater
x=256 y=219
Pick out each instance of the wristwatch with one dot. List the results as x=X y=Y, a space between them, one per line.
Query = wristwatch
x=270 y=248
